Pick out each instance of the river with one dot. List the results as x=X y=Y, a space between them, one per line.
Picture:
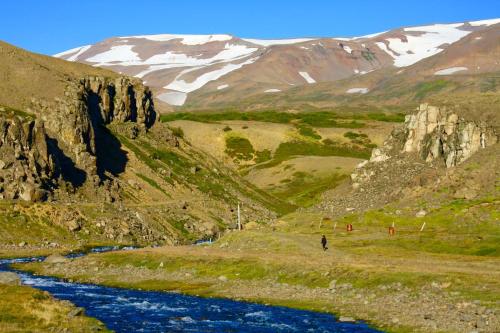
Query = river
x=129 y=310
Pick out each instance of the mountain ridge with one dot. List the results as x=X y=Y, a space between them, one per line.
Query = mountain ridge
x=176 y=66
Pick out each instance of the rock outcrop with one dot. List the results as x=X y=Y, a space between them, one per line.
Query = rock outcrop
x=417 y=158
x=122 y=99
x=438 y=133
x=432 y=134
x=62 y=142
x=26 y=165
x=75 y=120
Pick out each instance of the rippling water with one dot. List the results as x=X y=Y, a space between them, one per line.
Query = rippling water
x=127 y=310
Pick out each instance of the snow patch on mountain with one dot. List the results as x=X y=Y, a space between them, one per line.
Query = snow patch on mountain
x=122 y=53
x=449 y=71
x=176 y=98
x=272 y=90
x=77 y=52
x=170 y=59
x=271 y=42
x=347 y=49
x=485 y=22
x=185 y=39
x=347 y=39
x=230 y=52
x=222 y=86
x=200 y=81
x=307 y=77
x=421 y=42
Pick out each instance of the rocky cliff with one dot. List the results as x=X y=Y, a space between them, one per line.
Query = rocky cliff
x=75 y=120
x=417 y=157
x=26 y=166
x=60 y=144
x=438 y=133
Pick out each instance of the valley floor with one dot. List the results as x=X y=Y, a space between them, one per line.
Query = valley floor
x=412 y=281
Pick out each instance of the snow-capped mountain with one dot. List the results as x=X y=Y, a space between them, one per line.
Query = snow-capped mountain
x=175 y=66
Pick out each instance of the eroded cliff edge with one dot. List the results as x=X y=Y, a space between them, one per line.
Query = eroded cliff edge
x=56 y=141
x=422 y=158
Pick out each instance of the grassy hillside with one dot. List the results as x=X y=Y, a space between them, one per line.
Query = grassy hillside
x=289 y=154
x=153 y=187
x=26 y=75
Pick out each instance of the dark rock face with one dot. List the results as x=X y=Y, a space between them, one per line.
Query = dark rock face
x=119 y=100
x=26 y=166
x=69 y=141
x=76 y=121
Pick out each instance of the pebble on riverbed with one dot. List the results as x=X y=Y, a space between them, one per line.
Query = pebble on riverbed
x=347 y=319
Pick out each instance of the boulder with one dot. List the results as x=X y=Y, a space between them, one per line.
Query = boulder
x=73 y=225
x=251 y=226
x=421 y=213
x=55 y=259
x=343 y=319
x=222 y=278
x=10 y=278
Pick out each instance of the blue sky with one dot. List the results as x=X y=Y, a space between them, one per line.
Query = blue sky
x=51 y=26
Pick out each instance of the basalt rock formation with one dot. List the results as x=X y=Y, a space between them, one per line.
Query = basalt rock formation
x=26 y=165
x=61 y=144
x=434 y=135
x=121 y=100
x=438 y=133
x=419 y=156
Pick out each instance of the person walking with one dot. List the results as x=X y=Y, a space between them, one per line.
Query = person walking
x=324 y=242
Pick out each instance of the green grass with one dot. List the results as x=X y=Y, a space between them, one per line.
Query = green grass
x=8 y=111
x=345 y=117
x=287 y=150
x=354 y=135
x=451 y=229
x=218 y=185
x=489 y=84
x=177 y=131
x=425 y=88
x=308 y=131
x=239 y=148
x=304 y=189
x=263 y=156
x=153 y=184
x=360 y=139
x=24 y=309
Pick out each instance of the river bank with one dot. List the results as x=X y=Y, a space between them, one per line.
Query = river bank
x=397 y=291
x=26 y=309
x=131 y=310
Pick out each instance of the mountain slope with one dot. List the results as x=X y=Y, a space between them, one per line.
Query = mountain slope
x=225 y=68
x=85 y=161
x=26 y=75
x=469 y=66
